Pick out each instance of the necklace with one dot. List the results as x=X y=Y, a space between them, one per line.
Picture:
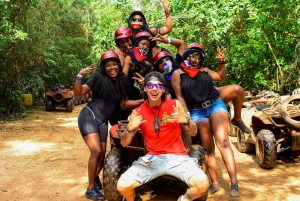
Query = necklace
x=156 y=121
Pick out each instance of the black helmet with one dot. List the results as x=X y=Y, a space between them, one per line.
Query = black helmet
x=137 y=12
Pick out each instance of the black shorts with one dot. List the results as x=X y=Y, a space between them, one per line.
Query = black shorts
x=88 y=123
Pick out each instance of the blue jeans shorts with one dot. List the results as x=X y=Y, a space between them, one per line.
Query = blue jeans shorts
x=149 y=167
x=203 y=114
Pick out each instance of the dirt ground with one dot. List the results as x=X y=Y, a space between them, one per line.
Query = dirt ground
x=43 y=157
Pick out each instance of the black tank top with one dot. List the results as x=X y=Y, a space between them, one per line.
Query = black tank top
x=197 y=89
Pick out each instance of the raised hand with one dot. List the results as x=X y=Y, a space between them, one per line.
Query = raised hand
x=88 y=70
x=221 y=55
x=179 y=115
x=119 y=52
x=166 y=4
x=139 y=79
x=160 y=38
x=135 y=120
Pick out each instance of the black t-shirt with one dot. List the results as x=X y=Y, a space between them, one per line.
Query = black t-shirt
x=101 y=108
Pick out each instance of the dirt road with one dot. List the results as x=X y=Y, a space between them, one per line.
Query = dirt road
x=43 y=157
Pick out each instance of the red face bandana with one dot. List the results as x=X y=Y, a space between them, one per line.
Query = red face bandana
x=137 y=54
x=192 y=72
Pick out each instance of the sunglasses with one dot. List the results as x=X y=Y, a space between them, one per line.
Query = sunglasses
x=137 y=19
x=151 y=86
x=195 y=56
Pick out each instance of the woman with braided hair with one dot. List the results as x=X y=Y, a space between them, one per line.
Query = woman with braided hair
x=109 y=86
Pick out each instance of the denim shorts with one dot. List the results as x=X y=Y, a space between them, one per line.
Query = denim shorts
x=203 y=114
x=149 y=167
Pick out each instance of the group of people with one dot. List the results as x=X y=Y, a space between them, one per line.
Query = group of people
x=164 y=95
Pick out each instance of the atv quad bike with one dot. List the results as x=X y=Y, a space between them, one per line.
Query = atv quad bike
x=60 y=98
x=120 y=158
x=275 y=129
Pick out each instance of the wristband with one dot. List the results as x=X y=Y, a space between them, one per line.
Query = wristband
x=79 y=79
x=130 y=131
x=79 y=75
x=167 y=13
x=170 y=40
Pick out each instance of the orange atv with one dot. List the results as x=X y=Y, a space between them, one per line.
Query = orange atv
x=60 y=98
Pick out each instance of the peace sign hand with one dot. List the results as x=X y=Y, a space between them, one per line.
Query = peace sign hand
x=135 y=120
x=221 y=55
x=140 y=79
x=88 y=70
x=160 y=38
x=166 y=4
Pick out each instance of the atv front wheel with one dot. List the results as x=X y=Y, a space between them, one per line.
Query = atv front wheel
x=265 y=147
x=69 y=105
x=197 y=151
x=112 y=171
x=49 y=104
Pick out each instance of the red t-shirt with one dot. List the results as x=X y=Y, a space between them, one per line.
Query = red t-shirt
x=169 y=139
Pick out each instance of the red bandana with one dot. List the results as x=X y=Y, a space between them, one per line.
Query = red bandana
x=137 y=54
x=125 y=55
x=192 y=72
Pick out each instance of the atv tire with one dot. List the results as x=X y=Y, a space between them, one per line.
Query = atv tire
x=87 y=98
x=265 y=147
x=69 y=105
x=197 y=151
x=82 y=99
x=248 y=146
x=49 y=104
x=112 y=171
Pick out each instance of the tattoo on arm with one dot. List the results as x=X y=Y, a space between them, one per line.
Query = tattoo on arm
x=126 y=135
x=190 y=129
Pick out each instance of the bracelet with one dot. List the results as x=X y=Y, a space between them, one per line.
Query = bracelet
x=223 y=62
x=167 y=13
x=79 y=75
x=79 y=79
x=170 y=40
x=130 y=131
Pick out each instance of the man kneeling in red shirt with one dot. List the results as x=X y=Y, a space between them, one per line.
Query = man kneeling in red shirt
x=160 y=121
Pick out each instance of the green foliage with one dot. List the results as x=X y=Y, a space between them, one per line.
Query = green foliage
x=17 y=95
x=45 y=43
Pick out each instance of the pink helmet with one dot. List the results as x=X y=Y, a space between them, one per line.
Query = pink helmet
x=123 y=32
x=195 y=45
x=160 y=55
x=142 y=34
x=108 y=55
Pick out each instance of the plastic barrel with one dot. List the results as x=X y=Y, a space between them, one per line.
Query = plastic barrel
x=27 y=102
